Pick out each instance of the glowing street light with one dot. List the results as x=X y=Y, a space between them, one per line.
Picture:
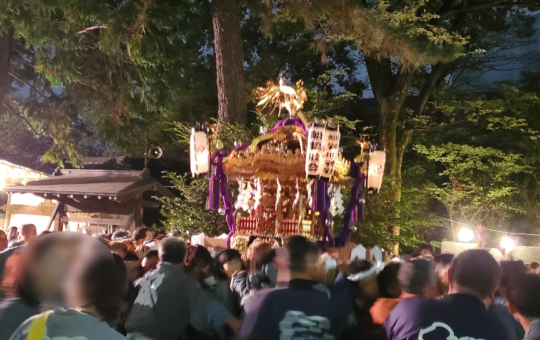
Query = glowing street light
x=465 y=235
x=508 y=244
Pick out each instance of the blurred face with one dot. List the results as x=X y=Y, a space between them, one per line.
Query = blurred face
x=369 y=289
x=49 y=272
x=443 y=275
x=148 y=234
x=29 y=233
x=75 y=286
x=231 y=267
x=316 y=267
x=130 y=246
x=3 y=241
x=13 y=234
x=281 y=261
x=149 y=263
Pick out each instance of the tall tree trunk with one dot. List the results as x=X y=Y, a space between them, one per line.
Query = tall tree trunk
x=390 y=90
x=6 y=42
x=232 y=97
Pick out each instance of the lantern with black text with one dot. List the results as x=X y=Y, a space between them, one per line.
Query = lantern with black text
x=313 y=150
x=199 y=152
x=377 y=159
x=329 y=152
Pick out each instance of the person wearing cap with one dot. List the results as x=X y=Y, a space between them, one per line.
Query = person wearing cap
x=474 y=277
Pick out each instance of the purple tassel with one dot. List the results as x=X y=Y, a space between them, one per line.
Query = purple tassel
x=321 y=203
x=355 y=209
x=214 y=191
x=219 y=188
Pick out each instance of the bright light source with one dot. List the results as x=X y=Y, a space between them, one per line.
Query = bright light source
x=465 y=235
x=508 y=244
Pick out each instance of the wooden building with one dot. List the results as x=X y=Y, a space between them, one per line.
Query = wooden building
x=100 y=200
x=20 y=208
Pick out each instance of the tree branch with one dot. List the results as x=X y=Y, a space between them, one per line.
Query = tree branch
x=23 y=60
x=91 y=28
x=31 y=86
x=20 y=116
x=438 y=72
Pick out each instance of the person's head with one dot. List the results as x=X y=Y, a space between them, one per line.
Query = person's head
x=475 y=272
x=28 y=232
x=305 y=259
x=99 y=286
x=417 y=277
x=140 y=235
x=228 y=262
x=3 y=240
x=13 y=234
x=130 y=245
x=120 y=234
x=150 y=260
x=119 y=249
x=199 y=262
x=509 y=269
x=387 y=281
x=426 y=250
x=523 y=297
x=43 y=267
x=175 y=233
x=263 y=254
x=442 y=266
x=159 y=234
x=105 y=241
x=364 y=274
x=172 y=250
x=534 y=266
x=104 y=236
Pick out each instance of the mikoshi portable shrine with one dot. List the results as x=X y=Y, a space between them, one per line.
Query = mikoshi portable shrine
x=289 y=179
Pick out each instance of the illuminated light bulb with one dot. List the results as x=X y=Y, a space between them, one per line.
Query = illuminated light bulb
x=508 y=244
x=465 y=235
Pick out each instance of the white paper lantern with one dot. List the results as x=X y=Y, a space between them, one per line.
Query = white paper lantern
x=313 y=152
x=377 y=159
x=329 y=152
x=200 y=158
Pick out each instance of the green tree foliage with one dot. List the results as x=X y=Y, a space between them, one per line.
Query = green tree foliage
x=478 y=185
x=188 y=213
x=485 y=153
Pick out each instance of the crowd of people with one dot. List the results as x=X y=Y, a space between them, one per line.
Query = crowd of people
x=147 y=285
